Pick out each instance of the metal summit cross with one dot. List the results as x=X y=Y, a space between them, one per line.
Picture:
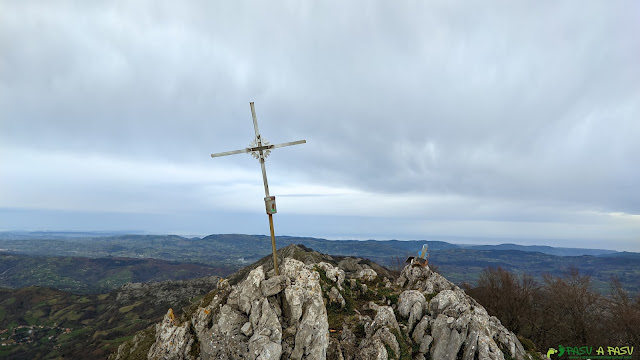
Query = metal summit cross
x=260 y=149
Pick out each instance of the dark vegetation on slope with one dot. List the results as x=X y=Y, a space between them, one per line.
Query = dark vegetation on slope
x=82 y=275
x=560 y=309
x=43 y=323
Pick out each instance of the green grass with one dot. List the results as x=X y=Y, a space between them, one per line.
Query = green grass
x=527 y=344
x=30 y=320
x=122 y=339
x=39 y=313
x=506 y=353
x=126 y=309
x=73 y=333
x=534 y=355
x=405 y=345
x=390 y=353
x=430 y=296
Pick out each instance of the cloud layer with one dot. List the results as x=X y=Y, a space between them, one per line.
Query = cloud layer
x=440 y=118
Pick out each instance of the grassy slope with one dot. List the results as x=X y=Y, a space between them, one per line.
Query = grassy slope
x=98 y=323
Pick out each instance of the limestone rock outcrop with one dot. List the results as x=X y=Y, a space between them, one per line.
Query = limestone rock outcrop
x=262 y=317
x=323 y=307
x=172 y=341
x=166 y=292
x=454 y=325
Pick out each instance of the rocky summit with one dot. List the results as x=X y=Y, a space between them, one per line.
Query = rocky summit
x=328 y=307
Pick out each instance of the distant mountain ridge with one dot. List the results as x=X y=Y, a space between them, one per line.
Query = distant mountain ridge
x=230 y=252
x=558 y=251
x=103 y=241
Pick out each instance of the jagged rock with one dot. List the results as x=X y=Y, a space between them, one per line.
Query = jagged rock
x=352 y=283
x=384 y=317
x=336 y=298
x=487 y=349
x=132 y=349
x=372 y=348
x=257 y=315
x=364 y=289
x=303 y=301
x=202 y=319
x=334 y=274
x=453 y=303
x=224 y=340
x=411 y=304
x=458 y=323
x=172 y=342
x=378 y=334
x=447 y=338
x=267 y=335
x=249 y=290
x=274 y=285
x=367 y=275
x=350 y=265
x=425 y=343
x=247 y=329
x=167 y=293
x=388 y=339
x=348 y=343
x=334 y=351
x=282 y=316
x=423 y=279
x=421 y=329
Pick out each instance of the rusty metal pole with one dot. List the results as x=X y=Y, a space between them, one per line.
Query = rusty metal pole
x=266 y=186
x=273 y=245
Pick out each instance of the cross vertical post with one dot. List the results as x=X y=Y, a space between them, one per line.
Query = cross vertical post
x=260 y=149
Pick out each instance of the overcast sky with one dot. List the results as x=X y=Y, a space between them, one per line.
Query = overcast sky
x=464 y=121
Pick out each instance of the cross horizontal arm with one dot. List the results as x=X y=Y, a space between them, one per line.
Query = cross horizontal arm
x=290 y=143
x=258 y=148
x=230 y=153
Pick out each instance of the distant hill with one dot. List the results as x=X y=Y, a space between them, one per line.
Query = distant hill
x=465 y=265
x=83 y=275
x=623 y=254
x=230 y=252
x=558 y=251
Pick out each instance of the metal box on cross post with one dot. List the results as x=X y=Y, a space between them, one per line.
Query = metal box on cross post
x=270 y=204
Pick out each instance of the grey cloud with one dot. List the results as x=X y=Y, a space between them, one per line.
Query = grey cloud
x=517 y=102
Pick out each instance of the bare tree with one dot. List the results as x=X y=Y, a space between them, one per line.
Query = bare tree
x=624 y=319
x=505 y=296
